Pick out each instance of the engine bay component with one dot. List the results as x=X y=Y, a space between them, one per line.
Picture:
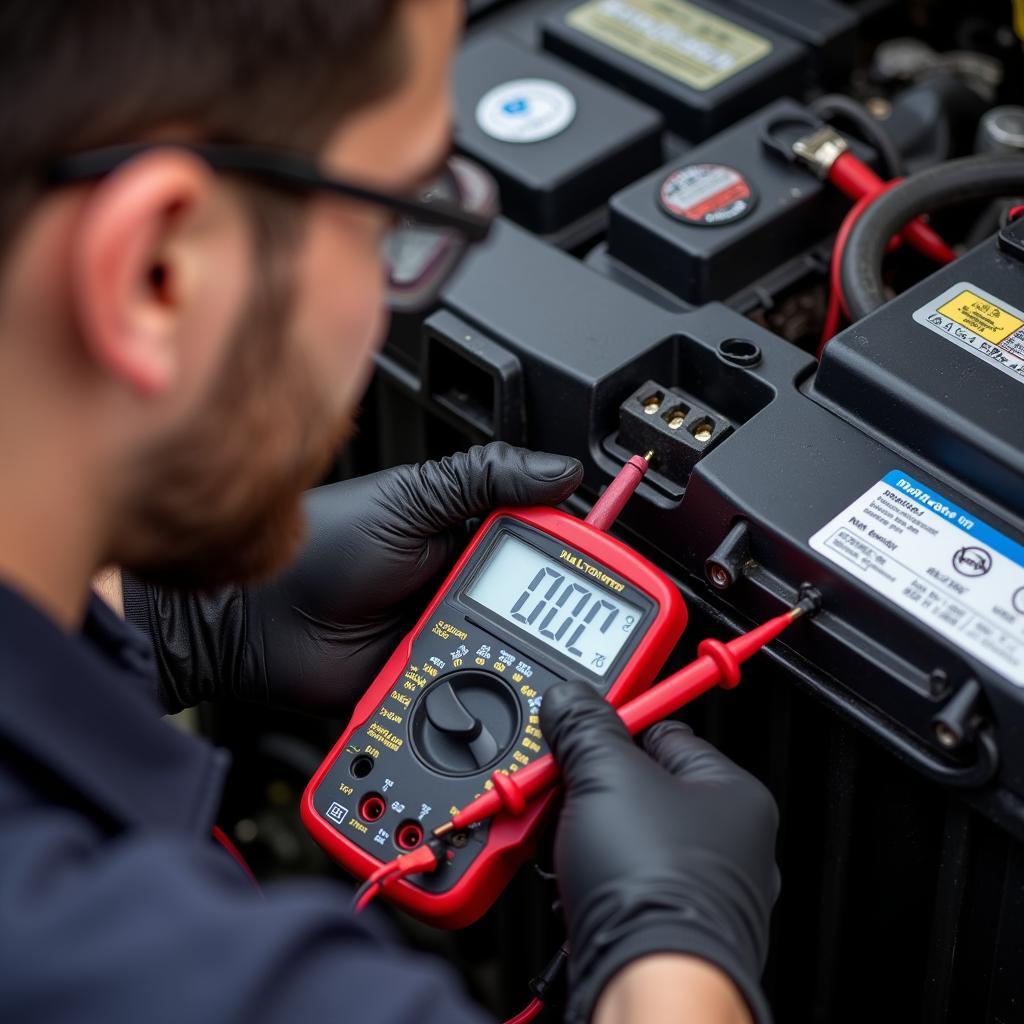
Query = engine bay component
x=663 y=280
x=558 y=141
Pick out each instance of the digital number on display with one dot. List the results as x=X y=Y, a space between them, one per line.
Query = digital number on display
x=554 y=604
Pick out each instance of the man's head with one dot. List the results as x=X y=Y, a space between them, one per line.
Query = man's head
x=186 y=346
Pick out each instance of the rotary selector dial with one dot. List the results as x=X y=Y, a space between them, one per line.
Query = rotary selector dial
x=465 y=723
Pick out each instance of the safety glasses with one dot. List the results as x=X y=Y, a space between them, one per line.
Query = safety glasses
x=431 y=232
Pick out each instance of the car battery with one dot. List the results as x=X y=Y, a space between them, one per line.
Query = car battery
x=726 y=212
x=703 y=65
x=558 y=141
x=939 y=372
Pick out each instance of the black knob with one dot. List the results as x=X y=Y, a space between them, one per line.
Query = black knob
x=448 y=714
x=465 y=723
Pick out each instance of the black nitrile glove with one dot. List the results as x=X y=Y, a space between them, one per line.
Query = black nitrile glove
x=669 y=851
x=314 y=638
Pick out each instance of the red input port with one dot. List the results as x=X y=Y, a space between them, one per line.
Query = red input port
x=409 y=835
x=372 y=807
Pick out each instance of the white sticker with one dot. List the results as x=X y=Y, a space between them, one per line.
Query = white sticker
x=526 y=110
x=955 y=574
x=979 y=322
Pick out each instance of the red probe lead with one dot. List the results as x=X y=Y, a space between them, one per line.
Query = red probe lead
x=717 y=664
x=607 y=508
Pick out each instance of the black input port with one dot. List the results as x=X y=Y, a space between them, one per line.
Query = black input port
x=676 y=427
x=409 y=835
x=361 y=766
x=372 y=807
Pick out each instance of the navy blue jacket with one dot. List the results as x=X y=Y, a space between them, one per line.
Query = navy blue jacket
x=115 y=905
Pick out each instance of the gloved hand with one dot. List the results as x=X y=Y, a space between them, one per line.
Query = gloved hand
x=666 y=851
x=314 y=638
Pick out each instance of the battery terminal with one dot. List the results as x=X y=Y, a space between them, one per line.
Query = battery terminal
x=676 y=417
x=702 y=430
x=652 y=403
x=820 y=150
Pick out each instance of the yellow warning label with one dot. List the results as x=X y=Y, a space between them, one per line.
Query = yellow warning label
x=989 y=321
x=677 y=38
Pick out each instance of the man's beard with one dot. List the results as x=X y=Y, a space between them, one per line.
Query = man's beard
x=220 y=502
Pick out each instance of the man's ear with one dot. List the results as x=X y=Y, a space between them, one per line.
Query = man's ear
x=130 y=266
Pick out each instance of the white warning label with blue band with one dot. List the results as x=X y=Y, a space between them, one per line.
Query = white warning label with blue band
x=939 y=563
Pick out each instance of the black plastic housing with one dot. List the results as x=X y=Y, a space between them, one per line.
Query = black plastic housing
x=695 y=113
x=549 y=184
x=792 y=211
x=673 y=427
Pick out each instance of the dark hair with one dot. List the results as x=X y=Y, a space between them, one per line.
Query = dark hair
x=75 y=74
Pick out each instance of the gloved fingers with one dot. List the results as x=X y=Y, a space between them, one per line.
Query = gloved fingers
x=581 y=728
x=674 y=746
x=440 y=494
x=693 y=760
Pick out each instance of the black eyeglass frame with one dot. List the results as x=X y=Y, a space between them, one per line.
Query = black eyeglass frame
x=277 y=167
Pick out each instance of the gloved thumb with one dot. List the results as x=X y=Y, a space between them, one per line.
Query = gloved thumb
x=486 y=477
x=581 y=727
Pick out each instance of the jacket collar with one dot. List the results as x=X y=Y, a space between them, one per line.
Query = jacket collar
x=82 y=709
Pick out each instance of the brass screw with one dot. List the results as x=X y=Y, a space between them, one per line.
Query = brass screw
x=703 y=431
x=676 y=420
x=651 y=406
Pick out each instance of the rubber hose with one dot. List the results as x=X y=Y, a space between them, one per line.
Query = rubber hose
x=836 y=107
x=956 y=181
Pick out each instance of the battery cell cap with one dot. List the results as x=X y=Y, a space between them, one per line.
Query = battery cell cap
x=707 y=194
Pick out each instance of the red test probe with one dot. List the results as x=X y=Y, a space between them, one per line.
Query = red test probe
x=717 y=664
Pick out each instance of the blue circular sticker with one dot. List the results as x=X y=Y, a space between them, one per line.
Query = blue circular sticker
x=526 y=110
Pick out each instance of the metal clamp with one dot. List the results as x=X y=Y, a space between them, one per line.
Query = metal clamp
x=820 y=150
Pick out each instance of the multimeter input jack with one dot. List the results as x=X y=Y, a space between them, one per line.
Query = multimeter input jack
x=361 y=766
x=372 y=807
x=409 y=835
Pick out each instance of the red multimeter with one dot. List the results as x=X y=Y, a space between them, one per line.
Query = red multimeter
x=537 y=597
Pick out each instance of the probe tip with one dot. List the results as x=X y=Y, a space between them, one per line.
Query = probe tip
x=648 y=456
x=808 y=602
x=443 y=830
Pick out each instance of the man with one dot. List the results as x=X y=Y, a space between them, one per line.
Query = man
x=186 y=323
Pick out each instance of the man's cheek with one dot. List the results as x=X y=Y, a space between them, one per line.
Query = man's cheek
x=360 y=322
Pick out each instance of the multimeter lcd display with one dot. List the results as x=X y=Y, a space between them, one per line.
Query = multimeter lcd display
x=559 y=607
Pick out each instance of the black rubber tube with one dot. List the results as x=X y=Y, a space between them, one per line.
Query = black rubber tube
x=836 y=107
x=956 y=181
